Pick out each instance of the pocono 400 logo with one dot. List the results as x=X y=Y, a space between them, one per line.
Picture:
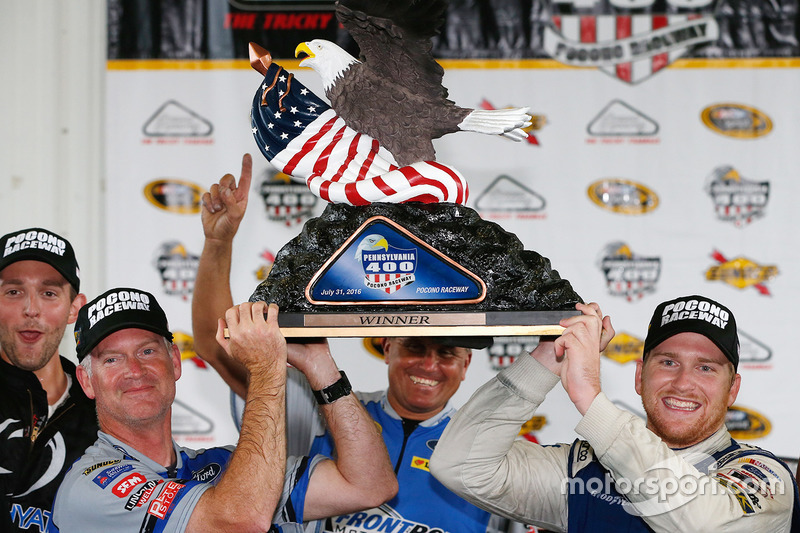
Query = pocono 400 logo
x=385 y=267
x=178 y=269
x=627 y=39
x=628 y=275
x=736 y=199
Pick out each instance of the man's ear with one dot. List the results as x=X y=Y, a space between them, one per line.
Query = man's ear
x=84 y=380
x=176 y=361
x=385 y=342
x=75 y=306
x=466 y=365
x=734 y=392
x=638 y=382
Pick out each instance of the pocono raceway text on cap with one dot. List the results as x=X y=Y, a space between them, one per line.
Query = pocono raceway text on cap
x=35 y=239
x=695 y=310
x=117 y=301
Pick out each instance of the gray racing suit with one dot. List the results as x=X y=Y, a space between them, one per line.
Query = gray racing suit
x=635 y=479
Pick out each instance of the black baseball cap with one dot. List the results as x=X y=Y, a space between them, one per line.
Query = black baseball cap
x=117 y=309
x=37 y=244
x=696 y=314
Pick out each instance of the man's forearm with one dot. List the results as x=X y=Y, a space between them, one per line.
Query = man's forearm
x=255 y=472
x=211 y=298
x=479 y=458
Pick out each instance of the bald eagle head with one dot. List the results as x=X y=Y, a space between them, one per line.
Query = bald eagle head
x=328 y=60
x=371 y=242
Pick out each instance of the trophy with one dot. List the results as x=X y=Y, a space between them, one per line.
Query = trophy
x=396 y=251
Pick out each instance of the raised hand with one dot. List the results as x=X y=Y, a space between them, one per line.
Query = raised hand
x=585 y=336
x=225 y=203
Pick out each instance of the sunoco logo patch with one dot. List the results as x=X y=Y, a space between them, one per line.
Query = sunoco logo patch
x=622 y=196
x=737 y=200
x=741 y=273
x=175 y=196
x=178 y=269
x=627 y=275
x=736 y=120
x=624 y=348
x=624 y=38
x=744 y=423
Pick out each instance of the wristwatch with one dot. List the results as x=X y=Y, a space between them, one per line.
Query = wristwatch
x=331 y=393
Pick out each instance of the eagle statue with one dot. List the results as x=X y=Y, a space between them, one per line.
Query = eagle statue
x=394 y=92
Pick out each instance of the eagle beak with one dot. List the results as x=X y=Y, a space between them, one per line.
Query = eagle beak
x=303 y=48
x=381 y=244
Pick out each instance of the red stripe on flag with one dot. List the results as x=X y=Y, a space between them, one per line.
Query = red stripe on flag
x=351 y=154
x=352 y=195
x=624 y=29
x=322 y=161
x=415 y=178
x=362 y=173
x=463 y=193
x=307 y=147
x=384 y=187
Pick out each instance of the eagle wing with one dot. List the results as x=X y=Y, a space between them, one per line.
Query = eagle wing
x=394 y=37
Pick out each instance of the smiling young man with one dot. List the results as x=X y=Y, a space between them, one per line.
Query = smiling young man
x=46 y=422
x=679 y=470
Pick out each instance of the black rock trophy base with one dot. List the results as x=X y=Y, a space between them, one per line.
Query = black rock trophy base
x=516 y=279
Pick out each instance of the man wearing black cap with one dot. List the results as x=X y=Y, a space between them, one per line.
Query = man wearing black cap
x=46 y=422
x=679 y=470
x=136 y=478
x=424 y=373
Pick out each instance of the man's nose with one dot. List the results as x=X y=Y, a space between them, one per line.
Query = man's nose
x=32 y=305
x=429 y=359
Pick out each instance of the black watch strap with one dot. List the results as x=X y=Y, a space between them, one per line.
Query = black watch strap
x=331 y=393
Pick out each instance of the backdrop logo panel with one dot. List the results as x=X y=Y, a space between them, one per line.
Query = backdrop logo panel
x=174 y=195
x=736 y=120
x=624 y=348
x=177 y=268
x=624 y=39
x=736 y=200
x=173 y=121
x=618 y=120
x=746 y=424
x=286 y=202
x=507 y=198
x=627 y=275
x=624 y=197
x=741 y=273
x=505 y=350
